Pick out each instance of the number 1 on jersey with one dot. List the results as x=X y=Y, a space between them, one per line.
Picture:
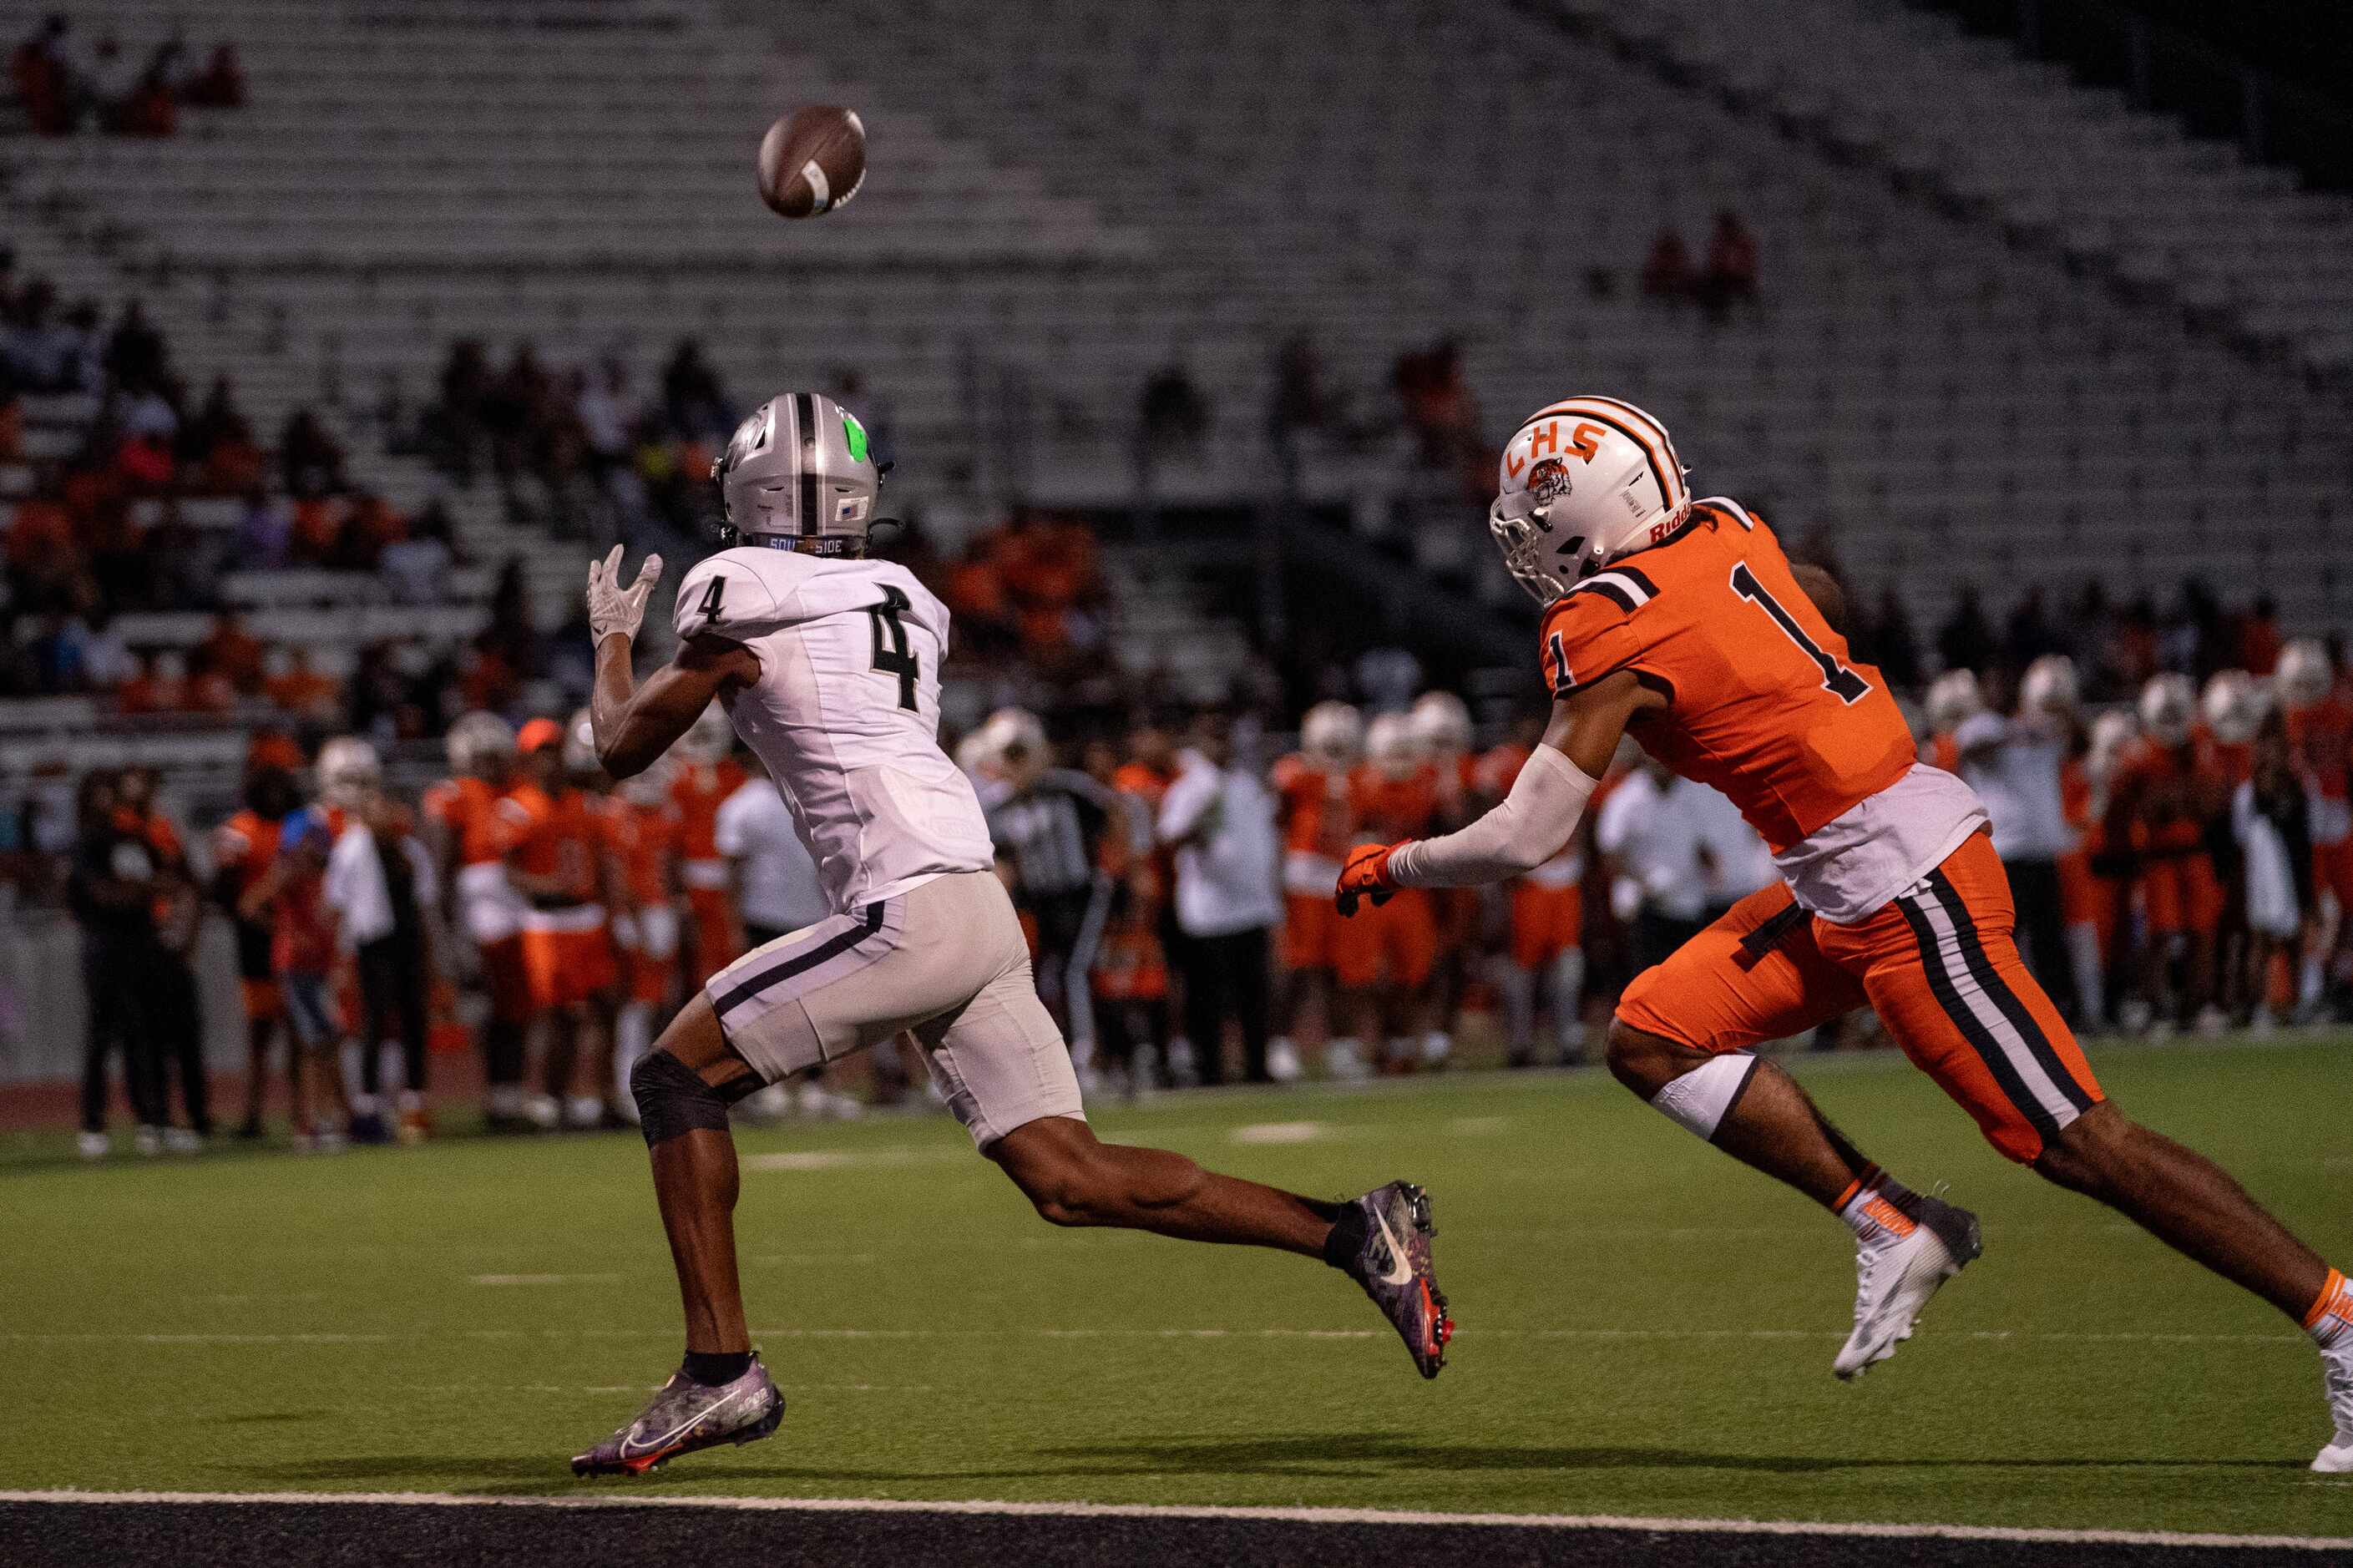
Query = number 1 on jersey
x=891 y=654
x=1837 y=679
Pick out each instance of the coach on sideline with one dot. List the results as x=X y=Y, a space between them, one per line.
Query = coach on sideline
x=1220 y=820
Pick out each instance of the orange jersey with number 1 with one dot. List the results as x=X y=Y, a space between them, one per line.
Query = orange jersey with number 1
x=1764 y=702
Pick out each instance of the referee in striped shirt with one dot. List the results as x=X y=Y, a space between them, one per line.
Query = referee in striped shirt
x=1048 y=830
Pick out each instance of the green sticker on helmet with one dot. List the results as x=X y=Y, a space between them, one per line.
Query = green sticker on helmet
x=856 y=433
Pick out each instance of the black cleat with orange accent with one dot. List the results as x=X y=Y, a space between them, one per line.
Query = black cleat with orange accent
x=1382 y=1242
x=686 y=1416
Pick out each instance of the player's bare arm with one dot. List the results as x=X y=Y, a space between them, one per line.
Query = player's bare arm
x=635 y=725
x=1533 y=822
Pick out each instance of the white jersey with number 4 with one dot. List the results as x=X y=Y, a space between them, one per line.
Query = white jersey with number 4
x=846 y=712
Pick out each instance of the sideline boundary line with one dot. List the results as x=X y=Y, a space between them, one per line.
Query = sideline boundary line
x=1565 y=1521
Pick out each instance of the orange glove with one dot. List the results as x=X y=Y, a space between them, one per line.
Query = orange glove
x=1366 y=875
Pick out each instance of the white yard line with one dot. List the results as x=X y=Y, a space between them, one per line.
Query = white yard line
x=2001 y=1335
x=1284 y=1515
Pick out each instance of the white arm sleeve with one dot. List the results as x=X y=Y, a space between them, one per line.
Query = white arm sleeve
x=1532 y=825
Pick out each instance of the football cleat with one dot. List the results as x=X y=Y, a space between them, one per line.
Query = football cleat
x=686 y=1416
x=2336 y=1377
x=1390 y=1231
x=1908 y=1246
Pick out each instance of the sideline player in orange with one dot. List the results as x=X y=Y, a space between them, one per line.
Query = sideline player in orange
x=470 y=826
x=1546 y=919
x=1386 y=966
x=2320 y=735
x=561 y=864
x=645 y=827
x=1683 y=623
x=244 y=849
x=1310 y=791
x=708 y=773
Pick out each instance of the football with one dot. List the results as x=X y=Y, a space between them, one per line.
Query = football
x=812 y=160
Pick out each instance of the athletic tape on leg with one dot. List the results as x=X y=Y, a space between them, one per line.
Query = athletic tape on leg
x=1702 y=1097
x=673 y=1100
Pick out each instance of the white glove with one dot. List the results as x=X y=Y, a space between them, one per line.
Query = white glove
x=613 y=609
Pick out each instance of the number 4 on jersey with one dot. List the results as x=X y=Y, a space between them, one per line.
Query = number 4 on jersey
x=1837 y=679
x=891 y=654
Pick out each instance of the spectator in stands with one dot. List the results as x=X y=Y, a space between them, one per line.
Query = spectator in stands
x=608 y=414
x=1887 y=640
x=1172 y=416
x=415 y=567
x=1667 y=272
x=220 y=84
x=111 y=893
x=1731 y=275
x=292 y=686
x=265 y=531
x=234 y=652
x=39 y=351
x=151 y=106
x=136 y=354
x=1300 y=403
x=2259 y=637
x=1218 y=819
x=1964 y=641
x=44 y=80
x=310 y=461
x=45 y=559
x=692 y=398
x=216 y=446
x=454 y=432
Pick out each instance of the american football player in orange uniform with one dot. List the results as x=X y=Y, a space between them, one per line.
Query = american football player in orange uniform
x=1311 y=793
x=1546 y=918
x=1386 y=965
x=707 y=774
x=642 y=819
x=244 y=848
x=1683 y=623
x=2320 y=735
x=1441 y=728
x=2167 y=796
x=561 y=862
x=470 y=831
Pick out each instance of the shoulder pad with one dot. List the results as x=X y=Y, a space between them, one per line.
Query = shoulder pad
x=1593 y=629
x=725 y=598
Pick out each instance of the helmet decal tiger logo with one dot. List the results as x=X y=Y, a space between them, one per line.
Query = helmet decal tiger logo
x=1548 y=482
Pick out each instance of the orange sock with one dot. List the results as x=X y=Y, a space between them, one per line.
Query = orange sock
x=2332 y=1311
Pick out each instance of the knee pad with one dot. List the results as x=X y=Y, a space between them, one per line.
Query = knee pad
x=672 y=1100
x=1703 y=1097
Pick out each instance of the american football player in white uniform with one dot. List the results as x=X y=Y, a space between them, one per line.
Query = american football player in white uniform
x=829 y=664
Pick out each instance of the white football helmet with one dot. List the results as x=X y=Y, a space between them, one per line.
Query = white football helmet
x=1391 y=745
x=2233 y=705
x=2167 y=705
x=2112 y=732
x=2050 y=686
x=580 y=746
x=1332 y=734
x=1582 y=482
x=709 y=738
x=976 y=755
x=2305 y=674
x=479 y=743
x=1443 y=724
x=1954 y=696
x=1017 y=730
x=796 y=475
x=349 y=772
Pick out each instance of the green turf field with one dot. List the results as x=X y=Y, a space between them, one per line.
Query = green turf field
x=1646 y=1327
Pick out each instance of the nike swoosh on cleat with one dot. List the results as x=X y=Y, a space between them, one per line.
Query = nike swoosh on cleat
x=668 y=1438
x=1402 y=1266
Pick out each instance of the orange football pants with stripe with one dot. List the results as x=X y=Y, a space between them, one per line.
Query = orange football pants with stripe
x=1939 y=963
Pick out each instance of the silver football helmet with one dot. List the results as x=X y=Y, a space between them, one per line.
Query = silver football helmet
x=796 y=476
